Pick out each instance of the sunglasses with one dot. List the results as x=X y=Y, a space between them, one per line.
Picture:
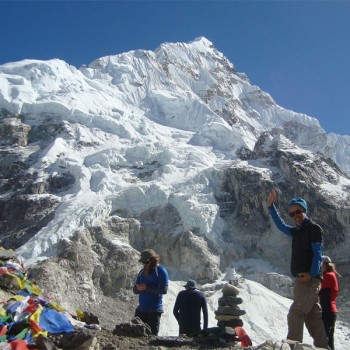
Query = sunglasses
x=296 y=212
x=147 y=262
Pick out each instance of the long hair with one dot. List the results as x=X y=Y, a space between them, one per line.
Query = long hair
x=330 y=267
x=153 y=263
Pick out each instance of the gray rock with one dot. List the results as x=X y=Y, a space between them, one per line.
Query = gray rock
x=227 y=300
x=134 y=328
x=230 y=290
x=229 y=310
x=13 y=132
x=222 y=317
x=236 y=322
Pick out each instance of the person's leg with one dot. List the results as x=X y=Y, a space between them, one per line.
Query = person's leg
x=193 y=331
x=182 y=330
x=296 y=313
x=141 y=315
x=295 y=320
x=153 y=320
x=189 y=329
x=315 y=326
x=331 y=334
x=313 y=318
x=329 y=319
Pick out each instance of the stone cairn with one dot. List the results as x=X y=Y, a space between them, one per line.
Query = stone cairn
x=228 y=312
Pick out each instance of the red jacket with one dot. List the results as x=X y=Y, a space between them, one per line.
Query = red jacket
x=329 y=292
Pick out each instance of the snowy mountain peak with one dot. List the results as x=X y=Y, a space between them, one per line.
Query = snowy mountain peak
x=204 y=41
x=146 y=129
x=190 y=86
x=199 y=44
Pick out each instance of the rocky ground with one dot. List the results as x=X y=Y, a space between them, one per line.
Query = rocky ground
x=108 y=341
x=134 y=335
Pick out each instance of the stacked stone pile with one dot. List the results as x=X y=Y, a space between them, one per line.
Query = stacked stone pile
x=228 y=312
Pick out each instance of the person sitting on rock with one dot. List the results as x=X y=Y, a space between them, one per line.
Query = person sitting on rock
x=187 y=309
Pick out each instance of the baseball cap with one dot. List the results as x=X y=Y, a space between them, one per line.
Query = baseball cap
x=326 y=259
x=147 y=254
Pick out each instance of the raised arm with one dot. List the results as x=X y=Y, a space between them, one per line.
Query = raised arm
x=279 y=222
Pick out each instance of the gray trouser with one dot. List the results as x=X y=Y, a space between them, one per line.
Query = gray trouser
x=306 y=309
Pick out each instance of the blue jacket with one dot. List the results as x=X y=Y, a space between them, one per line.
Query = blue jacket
x=187 y=310
x=151 y=300
x=306 y=244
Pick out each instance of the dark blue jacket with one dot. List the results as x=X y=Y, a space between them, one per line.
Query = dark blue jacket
x=187 y=310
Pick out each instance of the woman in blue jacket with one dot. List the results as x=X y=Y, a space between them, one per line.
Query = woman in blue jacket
x=151 y=283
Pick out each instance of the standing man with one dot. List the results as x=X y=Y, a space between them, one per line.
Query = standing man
x=187 y=309
x=305 y=266
x=151 y=283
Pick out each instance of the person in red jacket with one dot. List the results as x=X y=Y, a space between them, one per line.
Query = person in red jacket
x=328 y=295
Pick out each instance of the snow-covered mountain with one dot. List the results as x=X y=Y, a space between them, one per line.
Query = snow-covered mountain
x=172 y=149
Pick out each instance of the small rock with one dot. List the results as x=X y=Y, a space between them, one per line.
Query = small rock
x=230 y=290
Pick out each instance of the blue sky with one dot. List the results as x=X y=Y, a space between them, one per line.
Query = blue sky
x=297 y=51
